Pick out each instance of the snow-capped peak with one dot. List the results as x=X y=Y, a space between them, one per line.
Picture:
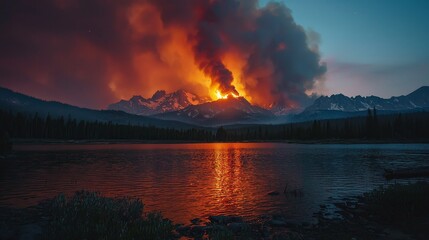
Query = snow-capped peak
x=339 y=102
x=160 y=102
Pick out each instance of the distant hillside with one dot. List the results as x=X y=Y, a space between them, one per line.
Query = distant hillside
x=340 y=106
x=17 y=102
x=231 y=111
x=55 y=120
x=417 y=99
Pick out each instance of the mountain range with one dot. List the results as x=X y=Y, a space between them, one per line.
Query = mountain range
x=160 y=102
x=339 y=102
x=190 y=108
x=223 y=111
x=17 y=102
x=340 y=106
x=182 y=109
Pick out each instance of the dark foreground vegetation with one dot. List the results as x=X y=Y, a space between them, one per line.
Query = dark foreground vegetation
x=398 y=127
x=403 y=206
x=88 y=215
x=392 y=212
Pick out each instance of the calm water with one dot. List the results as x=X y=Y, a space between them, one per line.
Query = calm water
x=185 y=181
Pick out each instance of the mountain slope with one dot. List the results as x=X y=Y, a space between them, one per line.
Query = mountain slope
x=339 y=102
x=340 y=106
x=17 y=102
x=160 y=102
x=220 y=112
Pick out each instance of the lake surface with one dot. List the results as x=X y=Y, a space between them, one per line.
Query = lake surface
x=186 y=181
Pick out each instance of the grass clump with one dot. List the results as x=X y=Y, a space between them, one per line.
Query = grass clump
x=88 y=215
x=220 y=233
x=401 y=205
x=223 y=232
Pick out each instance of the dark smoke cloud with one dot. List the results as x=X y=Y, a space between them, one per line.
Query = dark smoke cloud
x=207 y=56
x=280 y=65
x=90 y=52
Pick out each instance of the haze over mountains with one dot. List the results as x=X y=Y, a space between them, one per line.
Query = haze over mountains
x=184 y=109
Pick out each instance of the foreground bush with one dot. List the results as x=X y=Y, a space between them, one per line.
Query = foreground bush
x=401 y=205
x=87 y=215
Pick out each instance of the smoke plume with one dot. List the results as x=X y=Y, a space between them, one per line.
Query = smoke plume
x=92 y=52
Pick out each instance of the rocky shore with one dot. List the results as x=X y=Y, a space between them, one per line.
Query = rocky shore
x=355 y=224
x=365 y=217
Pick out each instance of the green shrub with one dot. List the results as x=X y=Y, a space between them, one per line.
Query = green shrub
x=87 y=215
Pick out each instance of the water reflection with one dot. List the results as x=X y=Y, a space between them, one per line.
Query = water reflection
x=230 y=180
x=185 y=181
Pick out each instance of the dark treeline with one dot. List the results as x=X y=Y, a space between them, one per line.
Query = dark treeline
x=27 y=126
x=409 y=126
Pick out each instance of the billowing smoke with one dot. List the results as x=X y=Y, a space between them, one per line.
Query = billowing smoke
x=69 y=49
x=207 y=51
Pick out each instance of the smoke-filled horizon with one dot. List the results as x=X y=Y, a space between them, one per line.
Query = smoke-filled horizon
x=92 y=53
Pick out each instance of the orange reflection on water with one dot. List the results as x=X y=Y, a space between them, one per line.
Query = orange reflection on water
x=228 y=180
x=186 y=181
x=183 y=181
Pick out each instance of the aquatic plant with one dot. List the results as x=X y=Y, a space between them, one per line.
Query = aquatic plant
x=88 y=215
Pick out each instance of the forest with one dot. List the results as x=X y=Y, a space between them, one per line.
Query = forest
x=407 y=126
x=27 y=126
x=401 y=126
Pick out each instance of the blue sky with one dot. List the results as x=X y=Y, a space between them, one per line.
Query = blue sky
x=378 y=47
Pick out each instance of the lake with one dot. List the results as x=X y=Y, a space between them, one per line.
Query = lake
x=186 y=181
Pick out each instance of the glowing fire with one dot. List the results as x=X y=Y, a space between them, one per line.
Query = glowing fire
x=219 y=95
x=233 y=62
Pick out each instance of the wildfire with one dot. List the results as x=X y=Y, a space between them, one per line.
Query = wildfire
x=219 y=95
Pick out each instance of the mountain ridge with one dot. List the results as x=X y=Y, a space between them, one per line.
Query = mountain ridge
x=220 y=112
x=160 y=102
x=339 y=106
x=18 y=102
x=416 y=99
x=224 y=111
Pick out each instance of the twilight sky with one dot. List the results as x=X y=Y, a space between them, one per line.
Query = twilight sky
x=91 y=53
x=371 y=47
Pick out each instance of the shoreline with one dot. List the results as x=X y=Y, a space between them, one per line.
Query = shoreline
x=357 y=219
x=126 y=141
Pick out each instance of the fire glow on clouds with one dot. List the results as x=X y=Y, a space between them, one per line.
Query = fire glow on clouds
x=92 y=52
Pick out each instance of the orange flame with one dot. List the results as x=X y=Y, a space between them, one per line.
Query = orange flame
x=235 y=63
x=219 y=95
